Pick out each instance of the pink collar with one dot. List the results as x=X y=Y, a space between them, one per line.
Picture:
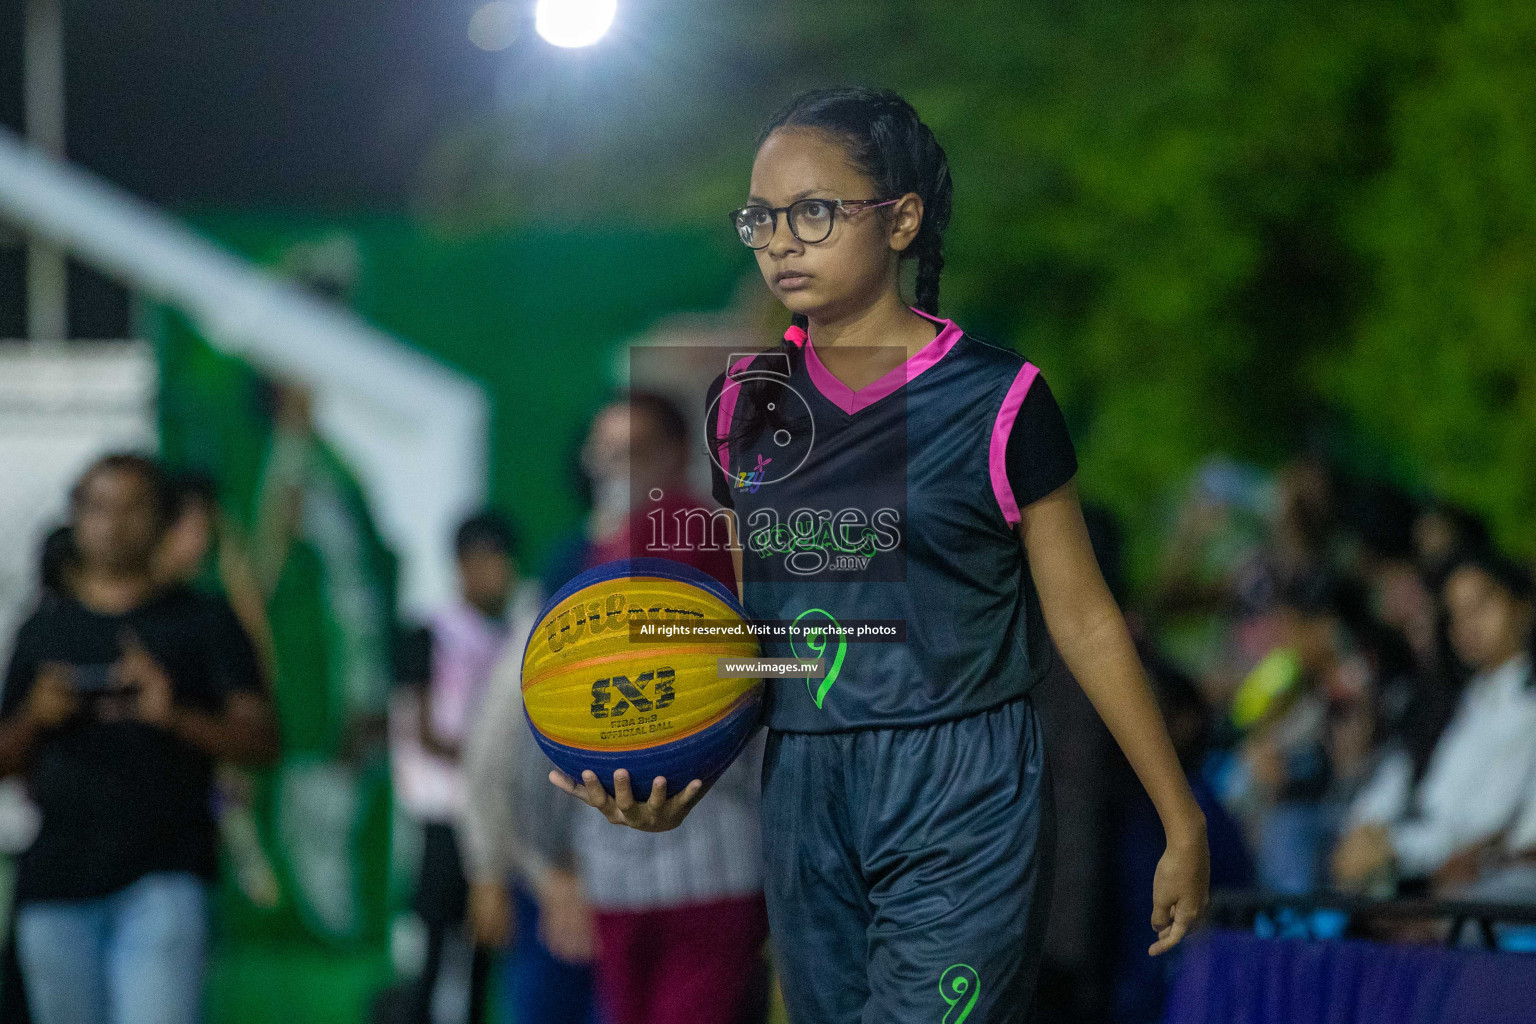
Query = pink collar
x=851 y=401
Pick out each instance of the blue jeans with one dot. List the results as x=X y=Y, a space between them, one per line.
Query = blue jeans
x=134 y=956
x=540 y=987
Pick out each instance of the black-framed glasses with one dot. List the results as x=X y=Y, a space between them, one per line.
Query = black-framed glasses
x=810 y=220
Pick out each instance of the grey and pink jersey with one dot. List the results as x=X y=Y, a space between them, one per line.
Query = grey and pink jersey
x=897 y=502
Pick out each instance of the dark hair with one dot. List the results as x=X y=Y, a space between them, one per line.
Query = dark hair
x=162 y=495
x=665 y=412
x=1322 y=593
x=488 y=528
x=1508 y=574
x=887 y=141
x=1381 y=514
x=192 y=485
x=57 y=557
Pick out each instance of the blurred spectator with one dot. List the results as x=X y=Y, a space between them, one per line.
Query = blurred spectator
x=203 y=548
x=466 y=640
x=57 y=564
x=1442 y=530
x=1283 y=773
x=198 y=539
x=1382 y=518
x=1217 y=564
x=1303 y=541
x=19 y=818
x=118 y=699
x=633 y=446
x=679 y=916
x=1483 y=764
x=516 y=831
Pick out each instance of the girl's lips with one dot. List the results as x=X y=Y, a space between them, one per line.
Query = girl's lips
x=792 y=281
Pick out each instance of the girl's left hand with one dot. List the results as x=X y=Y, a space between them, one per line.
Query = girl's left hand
x=1180 y=890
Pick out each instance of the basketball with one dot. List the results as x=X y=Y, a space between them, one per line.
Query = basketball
x=596 y=698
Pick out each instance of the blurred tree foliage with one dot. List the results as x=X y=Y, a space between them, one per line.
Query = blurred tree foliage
x=1243 y=227
x=1442 y=358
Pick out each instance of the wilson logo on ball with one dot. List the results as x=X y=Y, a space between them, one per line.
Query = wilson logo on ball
x=611 y=615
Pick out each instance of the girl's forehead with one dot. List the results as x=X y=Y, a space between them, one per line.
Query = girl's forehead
x=793 y=163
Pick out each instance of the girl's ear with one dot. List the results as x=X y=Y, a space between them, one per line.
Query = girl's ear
x=906 y=221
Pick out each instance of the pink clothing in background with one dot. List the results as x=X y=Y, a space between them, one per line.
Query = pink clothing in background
x=466 y=644
x=680 y=965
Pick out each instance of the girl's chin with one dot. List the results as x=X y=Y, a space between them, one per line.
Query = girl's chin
x=797 y=300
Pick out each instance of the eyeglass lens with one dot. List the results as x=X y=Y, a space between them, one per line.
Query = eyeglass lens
x=810 y=220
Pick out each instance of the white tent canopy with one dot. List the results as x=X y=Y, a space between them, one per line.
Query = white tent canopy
x=413 y=430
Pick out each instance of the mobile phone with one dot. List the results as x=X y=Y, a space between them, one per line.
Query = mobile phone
x=92 y=678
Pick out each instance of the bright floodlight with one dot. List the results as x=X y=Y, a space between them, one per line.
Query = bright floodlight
x=574 y=22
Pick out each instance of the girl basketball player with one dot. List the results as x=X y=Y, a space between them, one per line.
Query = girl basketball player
x=885 y=465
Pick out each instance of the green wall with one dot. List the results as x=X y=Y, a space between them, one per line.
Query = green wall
x=535 y=314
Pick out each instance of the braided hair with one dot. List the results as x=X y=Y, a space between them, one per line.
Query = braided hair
x=887 y=141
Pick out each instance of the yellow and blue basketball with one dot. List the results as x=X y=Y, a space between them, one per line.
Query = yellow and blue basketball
x=595 y=698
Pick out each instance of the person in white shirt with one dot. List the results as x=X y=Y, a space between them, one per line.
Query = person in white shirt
x=524 y=894
x=430 y=723
x=1483 y=767
x=674 y=923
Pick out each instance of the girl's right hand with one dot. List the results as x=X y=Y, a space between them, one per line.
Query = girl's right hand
x=658 y=814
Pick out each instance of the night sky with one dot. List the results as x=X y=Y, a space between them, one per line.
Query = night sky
x=323 y=103
x=320 y=104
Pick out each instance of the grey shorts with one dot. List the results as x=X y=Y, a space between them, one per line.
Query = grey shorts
x=908 y=870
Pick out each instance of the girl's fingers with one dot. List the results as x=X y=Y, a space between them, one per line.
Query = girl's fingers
x=658 y=798
x=1169 y=938
x=690 y=794
x=563 y=782
x=597 y=796
x=623 y=794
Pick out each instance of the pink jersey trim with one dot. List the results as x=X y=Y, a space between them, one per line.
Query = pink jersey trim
x=997 y=455
x=851 y=401
x=730 y=390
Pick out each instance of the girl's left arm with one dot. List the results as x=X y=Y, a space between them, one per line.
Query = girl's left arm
x=1090 y=632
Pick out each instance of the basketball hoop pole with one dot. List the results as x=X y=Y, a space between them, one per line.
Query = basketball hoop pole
x=47 y=280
